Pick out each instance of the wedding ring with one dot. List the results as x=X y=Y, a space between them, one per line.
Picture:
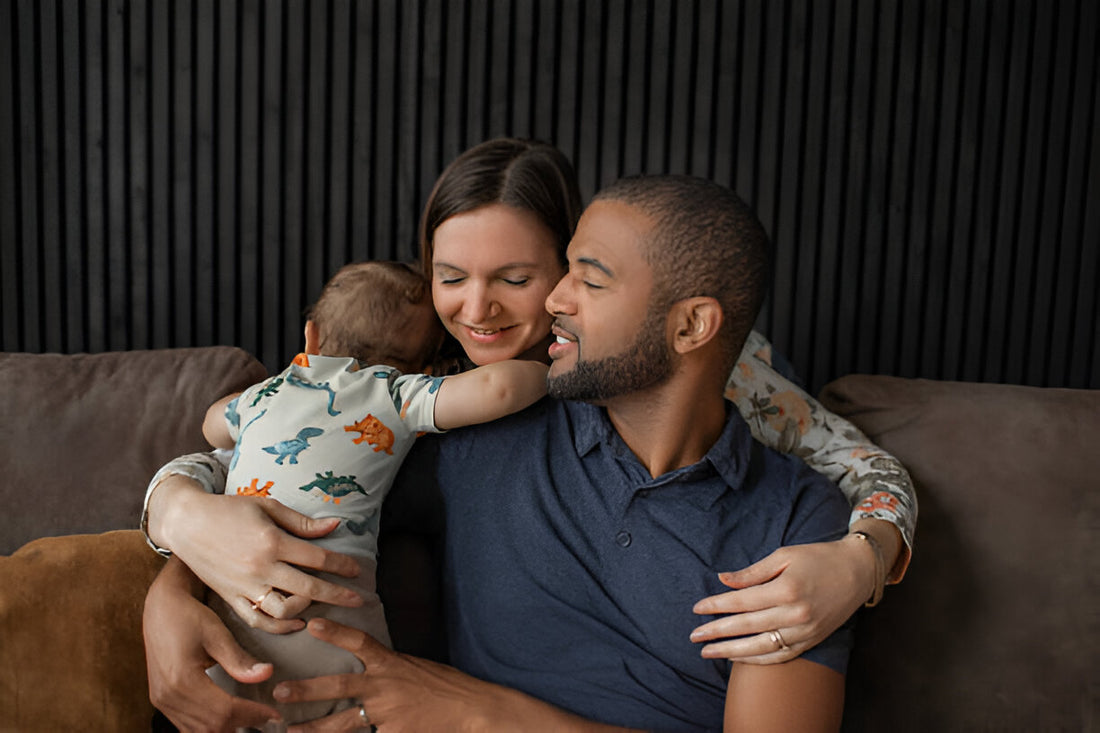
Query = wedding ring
x=777 y=639
x=260 y=601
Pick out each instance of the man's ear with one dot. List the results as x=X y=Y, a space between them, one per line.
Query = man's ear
x=313 y=338
x=694 y=322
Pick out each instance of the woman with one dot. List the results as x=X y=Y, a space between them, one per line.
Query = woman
x=493 y=238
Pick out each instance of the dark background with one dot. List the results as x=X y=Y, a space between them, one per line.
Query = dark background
x=189 y=172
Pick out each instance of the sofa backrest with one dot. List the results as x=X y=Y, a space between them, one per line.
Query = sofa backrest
x=81 y=435
x=995 y=625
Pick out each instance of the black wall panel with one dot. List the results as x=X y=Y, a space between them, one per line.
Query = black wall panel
x=187 y=172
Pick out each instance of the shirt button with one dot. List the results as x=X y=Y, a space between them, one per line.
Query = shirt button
x=622 y=539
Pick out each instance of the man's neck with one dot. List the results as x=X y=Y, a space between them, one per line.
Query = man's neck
x=670 y=426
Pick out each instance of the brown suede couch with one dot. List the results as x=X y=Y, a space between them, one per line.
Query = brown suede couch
x=995 y=628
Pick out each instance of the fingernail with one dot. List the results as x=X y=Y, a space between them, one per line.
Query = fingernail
x=281 y=692
x=696 y=635
x=320 y=624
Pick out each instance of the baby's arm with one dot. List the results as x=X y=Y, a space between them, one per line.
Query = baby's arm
x=489 y=392
x=214 y=427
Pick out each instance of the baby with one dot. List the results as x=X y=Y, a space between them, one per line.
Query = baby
x=327 y=435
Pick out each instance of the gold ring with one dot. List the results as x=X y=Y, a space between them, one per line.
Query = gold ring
x=777 y=639
x=259 y=601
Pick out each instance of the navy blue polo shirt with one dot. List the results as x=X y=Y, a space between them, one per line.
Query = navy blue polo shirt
x=570 y=573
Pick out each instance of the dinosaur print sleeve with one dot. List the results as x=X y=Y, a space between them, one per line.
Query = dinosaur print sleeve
x=209 y=470
x=414 y=397
x=784 y=417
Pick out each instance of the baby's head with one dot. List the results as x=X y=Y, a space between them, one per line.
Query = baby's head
x=377 y=312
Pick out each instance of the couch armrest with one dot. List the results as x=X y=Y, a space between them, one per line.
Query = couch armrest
x=994 y=627
x=70 y=631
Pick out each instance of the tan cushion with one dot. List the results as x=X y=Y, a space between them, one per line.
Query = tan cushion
x=81 y=435
x=71 y=652
x=995 y=627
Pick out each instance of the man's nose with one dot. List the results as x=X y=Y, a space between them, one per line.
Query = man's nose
x=559 y=300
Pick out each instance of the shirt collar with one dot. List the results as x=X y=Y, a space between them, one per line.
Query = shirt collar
x=727 y=458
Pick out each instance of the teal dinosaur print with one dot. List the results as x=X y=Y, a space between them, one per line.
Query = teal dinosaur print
x=240 y=434
x=297 y=381
x=268 y=390
x=334 y=487
x=285 y=449
x=231 y=415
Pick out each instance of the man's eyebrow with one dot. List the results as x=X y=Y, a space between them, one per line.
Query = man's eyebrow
x=597 y=264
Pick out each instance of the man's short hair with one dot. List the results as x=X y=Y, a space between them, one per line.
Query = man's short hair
x=705 y=241
x=366 y=309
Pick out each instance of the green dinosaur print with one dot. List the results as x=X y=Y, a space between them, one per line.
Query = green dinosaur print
x=268 y=390
x=334 y=487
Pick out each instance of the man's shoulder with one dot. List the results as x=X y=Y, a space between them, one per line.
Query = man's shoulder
x=811 y=500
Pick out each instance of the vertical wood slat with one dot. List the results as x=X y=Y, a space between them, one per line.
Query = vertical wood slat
x=189 y=171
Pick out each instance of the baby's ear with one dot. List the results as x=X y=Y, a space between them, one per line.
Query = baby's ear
x=313 y=338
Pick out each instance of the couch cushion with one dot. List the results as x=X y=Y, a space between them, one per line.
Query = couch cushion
x=995 y=626
x=81 y=435
x=70 y=634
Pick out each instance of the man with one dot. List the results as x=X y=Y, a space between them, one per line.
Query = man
x=575 y=530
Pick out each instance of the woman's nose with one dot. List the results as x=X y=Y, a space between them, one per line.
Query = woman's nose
x=480 y=306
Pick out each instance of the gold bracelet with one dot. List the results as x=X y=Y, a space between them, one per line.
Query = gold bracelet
x=880 y=567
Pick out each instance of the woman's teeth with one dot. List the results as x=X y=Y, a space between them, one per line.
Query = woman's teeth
x=561 y=340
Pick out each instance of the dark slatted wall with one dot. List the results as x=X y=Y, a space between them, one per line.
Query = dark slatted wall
x=186 y=172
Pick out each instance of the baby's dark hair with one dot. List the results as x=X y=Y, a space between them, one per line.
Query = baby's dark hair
x=368 y=311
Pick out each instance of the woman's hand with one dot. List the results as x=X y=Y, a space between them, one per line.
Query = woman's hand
x=240 y=548
x=803 y=591
x=182 y=638
x=403 y=694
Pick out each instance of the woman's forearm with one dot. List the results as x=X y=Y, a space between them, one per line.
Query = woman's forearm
x=783 y=416
x=183 y=476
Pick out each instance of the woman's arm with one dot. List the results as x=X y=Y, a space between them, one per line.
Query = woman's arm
x=240 y=546
x=781 y=415
x=807 y=591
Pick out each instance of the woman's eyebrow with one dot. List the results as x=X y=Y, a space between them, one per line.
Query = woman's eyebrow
x=597 y=264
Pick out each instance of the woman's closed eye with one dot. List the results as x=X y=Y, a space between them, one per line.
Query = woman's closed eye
x=516 y=280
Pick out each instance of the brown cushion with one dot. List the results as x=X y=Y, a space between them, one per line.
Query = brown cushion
x=71 y=652
x=81 y=435
x=995 y=625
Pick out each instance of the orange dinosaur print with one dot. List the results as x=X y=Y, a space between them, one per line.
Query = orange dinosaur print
x=301 y=360
x=879 y=500
x=254 y=489
x=372 y=431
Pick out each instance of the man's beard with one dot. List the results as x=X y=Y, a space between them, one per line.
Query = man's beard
x=646 y=363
